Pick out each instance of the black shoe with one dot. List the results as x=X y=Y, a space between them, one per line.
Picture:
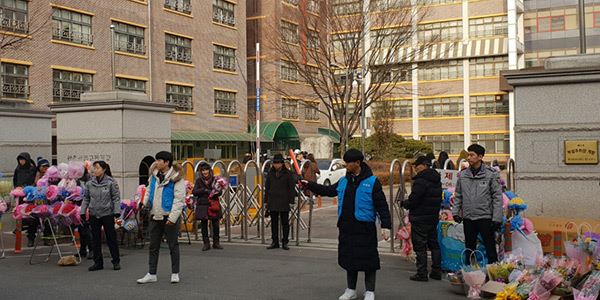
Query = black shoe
x=273 y=246
x=285 y=247
x=435 y=275
x=217 y=245
x=30 y=243
x=419 y=277
x=95 y=267
x=116 y=266
x=206 y=247
x=90 y=255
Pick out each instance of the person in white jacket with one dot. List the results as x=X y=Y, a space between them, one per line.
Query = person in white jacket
x=164 y=199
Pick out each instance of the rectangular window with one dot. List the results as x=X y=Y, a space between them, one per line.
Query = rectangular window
x=314 y=73
x=71 y=26
x=493 y=143
x=224 y=58
x=347 y=7
x=311 y=112
x=182 y=6
x=451 y=69
x=401 y=73
x=126 y=84
x=224 y=12
x=228 y=151
x=13 y=16
x=181 y=96
x=452 y=144
x=289 y=109
x=489 y=105
x=488 y=66
x=225 y=102
x=313 y=6
x=549 y=24
x=313 y=41
x=490 y=26
x=178 y=48
x=68 y=86
x=129 y=38
x=289 y=32
x=383 y=5
x=15 y=81
x=288 y=71
x=402 y=108
x=343 y=42
x=292 y=2
x=434 y=2
x=441 y=107
x=440 y=31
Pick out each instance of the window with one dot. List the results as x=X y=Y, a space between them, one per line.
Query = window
x=313 y=6
x=289 y=32
x=183 y=6
x=129 y=38
x=228 y=151
x=391 y=38
x=596 y=19
x=313 y=41
x=181 y=96
x=15 y=81
x=178 y=48
x=441 y=107
x=440 y=31
x=289 y=109
x=224 y=12
x=383 y=5
x=402 y=108
x=490 y=26
x=225 y=102
x=493 y=143
x=488 y=66
x=347 y=7
x=292 y=2
x=434 y=2
x=311 y=112
x=396 y=74
x=13 y=16
x=343 y=42
x=224 y=58
x=68 y=86
x=450 y=69
x=314 y=73
x=288 y=71
x=71 y=26
x=489 y=105
x=548 y=24
x=134 y=85
x=452 y=144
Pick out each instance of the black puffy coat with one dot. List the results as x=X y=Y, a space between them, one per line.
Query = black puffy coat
x=357 y=245
x=425 y=198
x=24 y=175
x=280 y=190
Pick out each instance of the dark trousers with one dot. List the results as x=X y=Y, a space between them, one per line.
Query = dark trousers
x=85 y=238
x=370 y=276
x=424 y=237
x=157 y=230
x=276 y=217
x=32 y=226
x=485 y=228
x=108 y=223
x=215 y=229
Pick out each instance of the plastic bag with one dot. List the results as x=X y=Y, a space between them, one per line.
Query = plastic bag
x=530 y=245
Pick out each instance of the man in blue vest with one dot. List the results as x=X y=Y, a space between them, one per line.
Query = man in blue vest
x=164 y=199
x=360 y=202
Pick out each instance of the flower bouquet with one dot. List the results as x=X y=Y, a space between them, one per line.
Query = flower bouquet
x=473 y=274
x=543 y=287
x=590 y=288
x=500 y=271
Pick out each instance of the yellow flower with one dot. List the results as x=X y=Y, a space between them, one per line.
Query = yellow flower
x=588 y=240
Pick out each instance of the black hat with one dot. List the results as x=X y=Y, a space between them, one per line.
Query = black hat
x=277 y=158
x=422 y=160
x=353 y=155
x=164 y=155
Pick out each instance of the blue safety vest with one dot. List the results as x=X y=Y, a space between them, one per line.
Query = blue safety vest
x=363 y=203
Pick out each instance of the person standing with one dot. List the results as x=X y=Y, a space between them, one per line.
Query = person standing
x=42 y=166
x=206 y=196
x=478 y=202
x=311 y=171
x=360 y=201
x=424 y=204
x=164 y=199
x=280 y=193
x=442 y=158
x=103 y=199
x=23 y=176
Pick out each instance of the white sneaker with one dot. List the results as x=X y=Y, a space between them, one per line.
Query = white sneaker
x=148 y=278
x=348 y=295
x=369 y=295
x=175 y=278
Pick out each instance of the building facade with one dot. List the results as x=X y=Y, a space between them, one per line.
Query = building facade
x=188 y=53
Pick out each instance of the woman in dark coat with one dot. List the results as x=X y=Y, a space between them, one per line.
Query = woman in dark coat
x=280 y=192
x=203 y=189
x=361 y=200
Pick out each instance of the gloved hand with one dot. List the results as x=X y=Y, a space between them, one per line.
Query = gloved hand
x=385 y=234
x=303 y=184
x=458 y=219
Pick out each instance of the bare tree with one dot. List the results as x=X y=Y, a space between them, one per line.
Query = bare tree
x=18 y=27
x=342 y=43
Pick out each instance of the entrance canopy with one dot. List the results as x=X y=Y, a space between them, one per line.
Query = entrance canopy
x=273 y=131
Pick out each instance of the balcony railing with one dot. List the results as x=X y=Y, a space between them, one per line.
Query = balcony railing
x=67 y=95
x=181 y=103
x=179 y=6
x=72 y=36
x=130 y=47
x=14 y=25
x=13 y=90
x=179 y=56
x=222 y=17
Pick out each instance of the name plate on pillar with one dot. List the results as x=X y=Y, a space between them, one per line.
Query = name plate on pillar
x=581 y=152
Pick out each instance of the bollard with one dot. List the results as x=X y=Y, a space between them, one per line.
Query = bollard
x=319 y=202
x=557 y=244
x=18 y=237
x=78 y=238
x=507 y=238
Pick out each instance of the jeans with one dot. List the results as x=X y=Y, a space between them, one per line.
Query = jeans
x=157 y=230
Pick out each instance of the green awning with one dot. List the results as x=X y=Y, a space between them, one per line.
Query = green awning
x=213 y=136
x=330 y=133
x=281 y=130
